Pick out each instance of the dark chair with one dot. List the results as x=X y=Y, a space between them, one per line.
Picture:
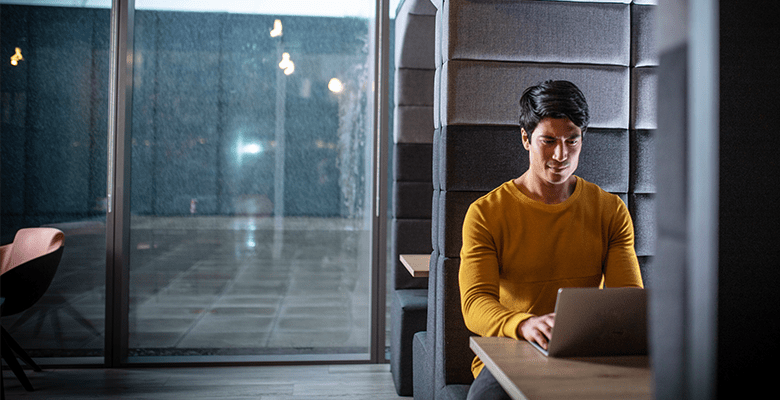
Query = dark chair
x=27 y=267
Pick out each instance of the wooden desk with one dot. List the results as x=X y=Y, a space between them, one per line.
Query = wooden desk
x=527 y=374
x=416 y=264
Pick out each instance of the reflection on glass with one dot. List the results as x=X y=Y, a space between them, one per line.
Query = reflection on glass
x=53 y=154
x=250 y=230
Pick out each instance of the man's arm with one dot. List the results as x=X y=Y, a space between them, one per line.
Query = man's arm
x=479 y=282
x=621 y=268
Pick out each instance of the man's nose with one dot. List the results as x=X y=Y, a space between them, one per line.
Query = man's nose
x=561 y=152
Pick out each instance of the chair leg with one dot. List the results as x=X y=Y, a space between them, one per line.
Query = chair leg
x=10 y=359
x=19 y=350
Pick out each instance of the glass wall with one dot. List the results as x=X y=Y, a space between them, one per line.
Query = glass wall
x=53 y=110
x=252 y=165
x=251 y=183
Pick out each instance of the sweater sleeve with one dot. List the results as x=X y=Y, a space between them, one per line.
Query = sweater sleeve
x=621 y=268
x=479 y=281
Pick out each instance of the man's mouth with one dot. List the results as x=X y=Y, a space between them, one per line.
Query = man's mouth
x=558 y=168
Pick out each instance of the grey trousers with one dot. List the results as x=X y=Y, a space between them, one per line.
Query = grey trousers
x=486 y=387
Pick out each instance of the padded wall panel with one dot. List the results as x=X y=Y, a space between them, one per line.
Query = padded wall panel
x=479 y=157
x=642 y=208
x=435 y=219
x=451 y=211
x=488 y=93
x=420 y=7
x=456 y=361
x=422 y=361
x=413 y=124
x=536 y=31
x=410 y=236
x=645 y=268
x=413 y=162
x=407 y=317
x=437 y=98
x=642 y=174
x=433 y=273
x=412 y=200
x=643 y=44
x=435 y=162
x=414 y=41
x=644 y=85
x=437 y=56
x=414 y=87
x=604 y=159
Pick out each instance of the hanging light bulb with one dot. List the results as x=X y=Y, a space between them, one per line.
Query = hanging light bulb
x=335 y=85
x=277 y=31
x=17 y=57
x=286 y=64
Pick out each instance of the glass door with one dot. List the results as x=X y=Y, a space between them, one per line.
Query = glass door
x=252 y=184
x=53 y=110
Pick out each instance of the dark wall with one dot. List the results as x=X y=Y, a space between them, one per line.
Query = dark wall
x=203 y=82
x=749 y=234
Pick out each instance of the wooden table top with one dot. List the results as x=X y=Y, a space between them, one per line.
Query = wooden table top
x=525 y=373
x=416 y=264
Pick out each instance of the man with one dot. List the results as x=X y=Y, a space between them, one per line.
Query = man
x=544 y=230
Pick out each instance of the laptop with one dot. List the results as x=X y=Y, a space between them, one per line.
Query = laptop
x=598 y=322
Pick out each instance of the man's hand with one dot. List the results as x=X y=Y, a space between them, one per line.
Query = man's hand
x=537 y=329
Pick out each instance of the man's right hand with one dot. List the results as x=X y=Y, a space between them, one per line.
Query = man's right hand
x=537 y=329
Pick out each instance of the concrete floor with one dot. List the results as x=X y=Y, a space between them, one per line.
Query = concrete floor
x=212 y=286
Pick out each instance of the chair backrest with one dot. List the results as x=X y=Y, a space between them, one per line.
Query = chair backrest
x=28 y=267
x=488 y=52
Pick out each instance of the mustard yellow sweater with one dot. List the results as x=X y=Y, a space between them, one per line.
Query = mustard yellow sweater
x=517 y=253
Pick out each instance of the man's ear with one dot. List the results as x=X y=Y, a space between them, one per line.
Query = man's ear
x=526 y=140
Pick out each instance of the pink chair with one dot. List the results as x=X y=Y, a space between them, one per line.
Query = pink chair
x=27 y=267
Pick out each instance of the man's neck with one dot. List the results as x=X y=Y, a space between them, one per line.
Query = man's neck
x=545 y=192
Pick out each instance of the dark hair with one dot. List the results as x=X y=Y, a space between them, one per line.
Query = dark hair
x=553 y=99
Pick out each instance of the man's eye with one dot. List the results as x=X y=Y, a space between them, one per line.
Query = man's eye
x=573 y=142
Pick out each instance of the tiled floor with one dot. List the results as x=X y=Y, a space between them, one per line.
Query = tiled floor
x=212 y=286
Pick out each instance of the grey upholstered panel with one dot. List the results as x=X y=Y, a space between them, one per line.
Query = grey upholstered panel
x=536 y=31
x=644 y=85
x=412 y=200
x=437 y=57
x=422 y=360
x=642 y=207
x=642 y=174
x=487 y=93
x=454 y=364
x=414 y=87
x=605 y=159
x=673 y=154
x=413 y=124
x=646 y=268
x=646 y=2
x=408 y=316
x=409 y=236
x=437 y=93
x=433 y=269
x=413 y=162
x=452 y=209
x=435 y=225
x=479 y=157
x=419 y=7
x=414 y=41
x=643 y=44
x=435 y=163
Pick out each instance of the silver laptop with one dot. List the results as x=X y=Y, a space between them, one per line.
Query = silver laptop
x=598 y=322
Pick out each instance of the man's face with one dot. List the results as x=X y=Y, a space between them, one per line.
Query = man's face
x=553 y=150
